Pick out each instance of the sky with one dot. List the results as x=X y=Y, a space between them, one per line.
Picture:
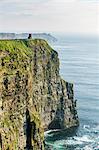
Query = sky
x=66 y=16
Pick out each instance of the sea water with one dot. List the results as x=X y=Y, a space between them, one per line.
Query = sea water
x=79 y=64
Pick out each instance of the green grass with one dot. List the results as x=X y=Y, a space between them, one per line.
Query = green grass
x=16 y=54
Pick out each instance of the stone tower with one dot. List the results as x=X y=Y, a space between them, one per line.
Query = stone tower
x=30 y=36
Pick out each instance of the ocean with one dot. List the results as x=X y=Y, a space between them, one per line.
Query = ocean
x=79 y=64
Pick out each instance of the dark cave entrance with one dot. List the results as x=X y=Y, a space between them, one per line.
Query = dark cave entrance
x=0 y=141
x=30 y=131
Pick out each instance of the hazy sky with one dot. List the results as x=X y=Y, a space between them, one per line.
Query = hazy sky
x=72 y=16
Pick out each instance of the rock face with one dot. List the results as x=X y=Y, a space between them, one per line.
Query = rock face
x=33 y=97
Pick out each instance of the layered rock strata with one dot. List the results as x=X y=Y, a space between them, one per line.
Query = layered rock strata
x=33 y=96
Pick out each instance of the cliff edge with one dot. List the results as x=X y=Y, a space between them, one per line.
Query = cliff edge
x=33 y=97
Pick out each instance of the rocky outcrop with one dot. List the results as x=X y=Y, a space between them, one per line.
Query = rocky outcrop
x=33 y=97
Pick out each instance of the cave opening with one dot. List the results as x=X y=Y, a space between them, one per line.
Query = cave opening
x=30 y=131
x=0 y=141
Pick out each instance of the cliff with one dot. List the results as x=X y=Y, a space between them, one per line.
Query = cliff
x=33 y=97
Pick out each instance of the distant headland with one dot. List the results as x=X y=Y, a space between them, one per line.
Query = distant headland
x=45 y=36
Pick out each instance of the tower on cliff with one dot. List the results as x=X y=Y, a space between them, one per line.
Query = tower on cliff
x=30 y=36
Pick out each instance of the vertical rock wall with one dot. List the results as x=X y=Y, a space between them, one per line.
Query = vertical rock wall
x=33 y=97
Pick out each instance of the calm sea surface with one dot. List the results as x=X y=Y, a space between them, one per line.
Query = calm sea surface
x=79 y=64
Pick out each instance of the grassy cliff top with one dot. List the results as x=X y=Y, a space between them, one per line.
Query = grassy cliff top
x=23 y=46
x=14 y=54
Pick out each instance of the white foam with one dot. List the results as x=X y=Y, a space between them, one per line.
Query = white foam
x=56 y=144
x=67 y=142
x=73 y=142
x=84 y=138
x=87 y=128
x=47 y=133
x=93 y=130
x=88 y=148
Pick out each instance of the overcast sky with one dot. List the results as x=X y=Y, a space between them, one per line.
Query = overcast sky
x=68 y=16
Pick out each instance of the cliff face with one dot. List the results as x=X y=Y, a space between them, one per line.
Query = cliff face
x=33 y=97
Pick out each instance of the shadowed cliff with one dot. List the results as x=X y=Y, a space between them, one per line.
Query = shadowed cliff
x=33 y=97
